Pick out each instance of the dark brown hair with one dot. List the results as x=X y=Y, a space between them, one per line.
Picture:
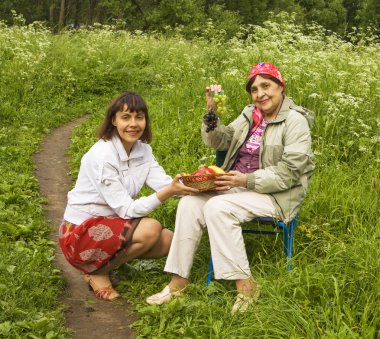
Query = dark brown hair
x=135 y=103
x=265 y=76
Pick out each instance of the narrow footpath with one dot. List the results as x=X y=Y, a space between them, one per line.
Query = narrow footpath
x=86 y=316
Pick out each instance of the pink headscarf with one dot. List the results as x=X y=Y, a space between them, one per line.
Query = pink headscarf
x=264 y=68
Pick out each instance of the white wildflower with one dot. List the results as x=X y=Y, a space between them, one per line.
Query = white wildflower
x=314 y=95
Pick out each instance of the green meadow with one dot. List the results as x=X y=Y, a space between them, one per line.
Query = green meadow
x=333 y=290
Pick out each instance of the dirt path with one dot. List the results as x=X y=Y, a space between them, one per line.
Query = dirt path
x=86 y=316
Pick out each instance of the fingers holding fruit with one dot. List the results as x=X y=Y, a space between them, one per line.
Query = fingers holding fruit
x=211 y=91
x=210 y=104
x=179 y=188
x=215 y=99
x=219 y=98
x=216 y=88
x=233 y=179
x=222 y=187
x=215 y=103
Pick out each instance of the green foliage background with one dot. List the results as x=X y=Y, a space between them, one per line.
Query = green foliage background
x=333 y=290
x=190 y=16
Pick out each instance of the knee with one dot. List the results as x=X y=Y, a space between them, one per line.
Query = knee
x=167 y=237
x=213 y=208
x=190 y=202
x=151 y=232
x=190 y=213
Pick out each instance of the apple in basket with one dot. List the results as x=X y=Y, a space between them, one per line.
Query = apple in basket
x=208 y=170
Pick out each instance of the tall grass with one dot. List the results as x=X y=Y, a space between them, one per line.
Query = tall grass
x=333 y=290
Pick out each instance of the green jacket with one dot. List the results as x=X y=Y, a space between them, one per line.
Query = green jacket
x=286 y=157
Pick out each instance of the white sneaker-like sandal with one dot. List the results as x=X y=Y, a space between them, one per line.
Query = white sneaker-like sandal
x=243 y=301
x=163 y=297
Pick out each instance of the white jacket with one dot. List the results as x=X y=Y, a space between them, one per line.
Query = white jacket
x=109 y=181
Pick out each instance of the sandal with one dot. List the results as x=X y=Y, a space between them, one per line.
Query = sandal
x=243 y=302
x=163 y=297
x=104 y=293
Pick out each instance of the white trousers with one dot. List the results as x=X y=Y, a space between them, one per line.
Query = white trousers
x=222 y=213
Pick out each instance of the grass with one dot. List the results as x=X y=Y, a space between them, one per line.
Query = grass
x=333 y=290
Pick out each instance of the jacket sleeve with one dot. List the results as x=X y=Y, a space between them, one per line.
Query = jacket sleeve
x=115 y=194
x=292 y=163
x=220 y=138
x=157 y=178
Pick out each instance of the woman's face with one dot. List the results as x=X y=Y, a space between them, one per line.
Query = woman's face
x=267 y=96
x=130 y=126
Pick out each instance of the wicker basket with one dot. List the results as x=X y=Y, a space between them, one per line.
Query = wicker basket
x=203 y=182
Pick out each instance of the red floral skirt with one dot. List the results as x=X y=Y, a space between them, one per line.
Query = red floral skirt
x=98 y=244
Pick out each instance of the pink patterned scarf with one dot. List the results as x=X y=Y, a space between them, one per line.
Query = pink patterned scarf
x=257 y=117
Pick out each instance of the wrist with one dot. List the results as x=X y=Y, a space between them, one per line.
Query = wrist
x=250 y=181
x=165 y=193
x=210 y=111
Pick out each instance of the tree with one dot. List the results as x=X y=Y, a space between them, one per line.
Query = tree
x=38 y=10
x=62 y=12
x=330 y=14
x=256 y=12
x=369 y=14
x=352 y=7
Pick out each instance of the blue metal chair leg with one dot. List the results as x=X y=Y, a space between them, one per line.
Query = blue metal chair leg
x=288 y=235
x=289 y=254
x=292 y=227
x=209 y=272
x=288 y=239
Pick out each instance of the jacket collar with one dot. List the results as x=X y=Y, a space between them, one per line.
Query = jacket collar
x=282 y=114
x=247 y=113
x=284 y=110
x=287 y=104
x=136 y=152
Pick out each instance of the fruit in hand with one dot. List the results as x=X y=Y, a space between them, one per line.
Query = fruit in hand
x=211 y=121
x=220 y=100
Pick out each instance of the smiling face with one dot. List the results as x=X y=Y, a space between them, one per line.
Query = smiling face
x=267 y=95
x=130 y=126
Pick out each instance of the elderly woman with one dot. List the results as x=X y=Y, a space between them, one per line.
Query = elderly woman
x=270 y=161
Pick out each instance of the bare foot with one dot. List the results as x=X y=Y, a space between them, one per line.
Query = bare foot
x=178 y=283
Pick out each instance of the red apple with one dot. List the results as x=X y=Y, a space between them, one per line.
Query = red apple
x=203 y=170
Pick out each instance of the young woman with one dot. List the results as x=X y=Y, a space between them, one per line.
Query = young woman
x=270 y=161
x=104 y=225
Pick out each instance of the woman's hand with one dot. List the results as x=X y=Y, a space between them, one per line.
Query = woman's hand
x=233 y=179
x=210 y=103
x=180 y=189
x=210 y=119
x=176 y=188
